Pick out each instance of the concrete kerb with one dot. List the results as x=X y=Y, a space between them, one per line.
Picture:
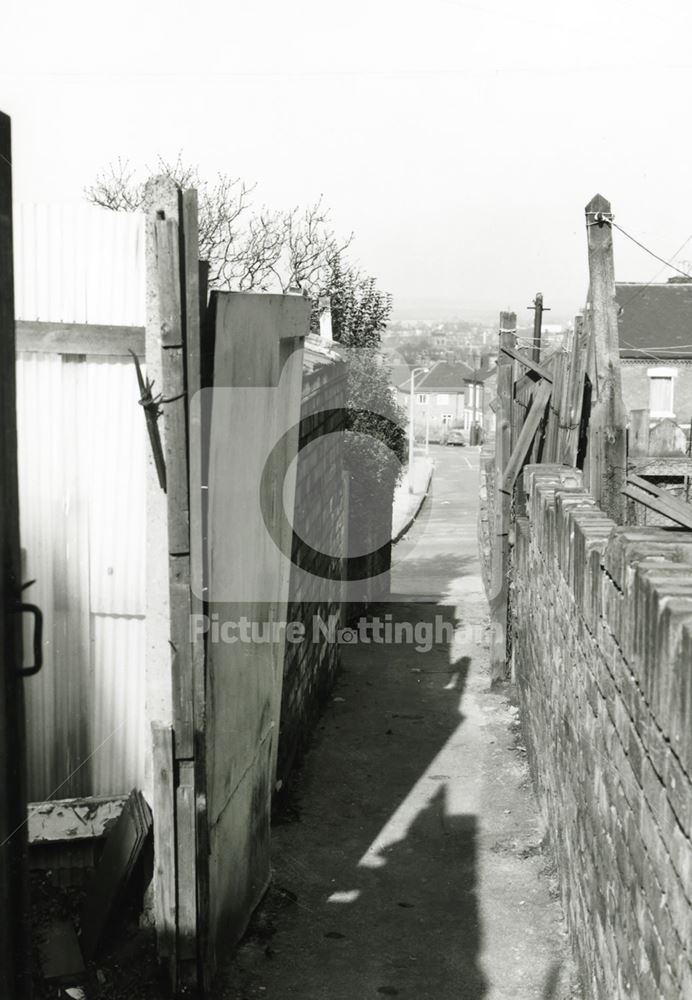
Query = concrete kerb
x=416 y=511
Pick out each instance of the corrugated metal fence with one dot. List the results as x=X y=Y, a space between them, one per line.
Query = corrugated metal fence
x=79 y=264
x=81 y=442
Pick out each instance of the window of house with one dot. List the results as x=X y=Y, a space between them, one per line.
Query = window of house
x=661 y=391
x=443 y=399
x=447 y=418
x=422 y=397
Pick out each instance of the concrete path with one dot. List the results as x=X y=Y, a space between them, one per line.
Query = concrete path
x=412 y=866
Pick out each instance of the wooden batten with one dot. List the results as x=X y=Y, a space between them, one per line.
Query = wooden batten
x=80 y=338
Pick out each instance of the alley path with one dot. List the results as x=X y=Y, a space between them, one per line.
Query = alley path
x=412 y=867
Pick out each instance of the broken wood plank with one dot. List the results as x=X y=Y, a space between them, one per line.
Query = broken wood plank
x=658 y=500
x=120 y=854
x=526 y=436
x=72 y=819
x=528 y=378
x=656 y=466
x=535 y=370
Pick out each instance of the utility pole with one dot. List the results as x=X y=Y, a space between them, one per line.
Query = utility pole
x=538 y=309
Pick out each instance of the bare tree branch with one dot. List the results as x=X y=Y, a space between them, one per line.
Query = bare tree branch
x=246 y=250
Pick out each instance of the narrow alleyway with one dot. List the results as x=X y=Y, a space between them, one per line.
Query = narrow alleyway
x=412 y=865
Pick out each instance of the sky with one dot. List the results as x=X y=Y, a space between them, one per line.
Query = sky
x=459 y=142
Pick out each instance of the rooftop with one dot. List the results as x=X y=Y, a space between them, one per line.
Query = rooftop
x=655 y=319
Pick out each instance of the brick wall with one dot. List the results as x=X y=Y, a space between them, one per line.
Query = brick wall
x=635 y=385
x=602 y=650
x=310 y=666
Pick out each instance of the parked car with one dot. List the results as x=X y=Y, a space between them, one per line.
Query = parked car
x=456 y=437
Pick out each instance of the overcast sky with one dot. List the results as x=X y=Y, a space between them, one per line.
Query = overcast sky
x=458 y=141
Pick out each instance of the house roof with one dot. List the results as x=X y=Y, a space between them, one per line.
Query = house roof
x=446 y=375
x=655 y=319
x=483 y=374
x=443 y=376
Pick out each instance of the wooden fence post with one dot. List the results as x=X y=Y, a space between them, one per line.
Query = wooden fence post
x=500 y=551
x=637 y=447
x=539 y=308
x=163 y=812
x=174 y=359
x=607 y=427
x=575 y=394
x=551 y=447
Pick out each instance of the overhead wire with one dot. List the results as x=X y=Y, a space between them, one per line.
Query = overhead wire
x=668 y=263
x=651 y=252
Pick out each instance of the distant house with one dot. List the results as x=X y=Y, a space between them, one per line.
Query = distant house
x=655 y=333
x=449 y=395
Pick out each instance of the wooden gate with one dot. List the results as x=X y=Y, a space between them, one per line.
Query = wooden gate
x=215 y=746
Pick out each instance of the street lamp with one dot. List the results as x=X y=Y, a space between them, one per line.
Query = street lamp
x=414 y=372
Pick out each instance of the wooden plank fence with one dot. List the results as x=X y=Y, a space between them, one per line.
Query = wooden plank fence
x=565 y=407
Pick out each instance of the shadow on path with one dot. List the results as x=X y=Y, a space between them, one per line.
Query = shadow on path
x=382 y=862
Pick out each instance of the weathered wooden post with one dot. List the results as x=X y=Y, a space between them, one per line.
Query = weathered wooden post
x=607 y=428
x=637 y=447
x=175 y=663
x=539 y=308
x=500 y=551
x=575 y=394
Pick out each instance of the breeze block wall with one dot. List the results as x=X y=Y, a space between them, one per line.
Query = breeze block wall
x=602 y=646
x=310 y=666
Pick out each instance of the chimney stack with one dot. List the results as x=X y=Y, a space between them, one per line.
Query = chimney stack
x=325 y=312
